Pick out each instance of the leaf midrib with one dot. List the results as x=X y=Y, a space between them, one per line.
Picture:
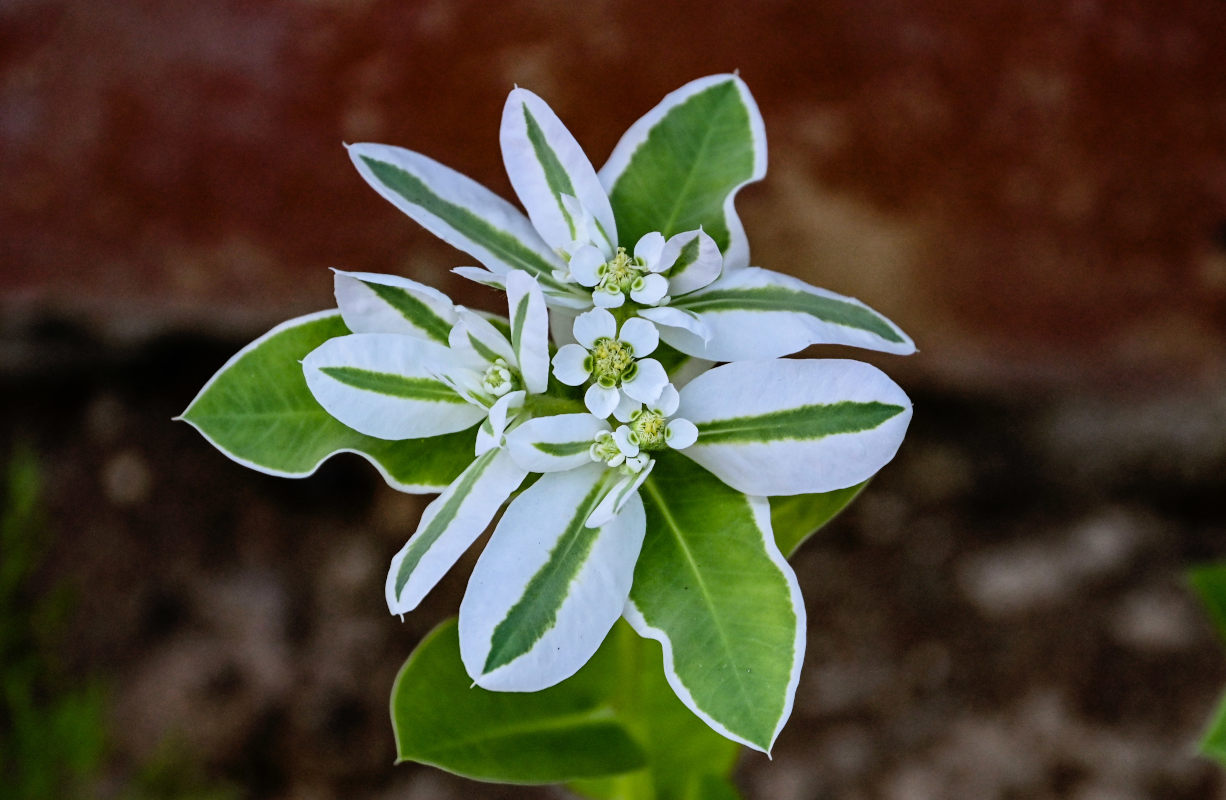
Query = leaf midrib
x=649 y=486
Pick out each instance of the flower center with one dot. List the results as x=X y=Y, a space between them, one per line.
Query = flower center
x=604 y=449
x=497 y=379
x=619 y=274
x=612 y=361
x=648 y=429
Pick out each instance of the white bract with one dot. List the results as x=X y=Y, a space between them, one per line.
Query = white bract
x=680 y=475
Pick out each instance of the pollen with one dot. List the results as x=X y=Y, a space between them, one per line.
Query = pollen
x=649 y=427
x=610 y=360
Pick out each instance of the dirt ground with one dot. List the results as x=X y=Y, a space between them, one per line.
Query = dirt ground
x=1003 y=613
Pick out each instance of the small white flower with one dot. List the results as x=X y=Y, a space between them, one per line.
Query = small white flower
x=654 y=427
x=613 y=360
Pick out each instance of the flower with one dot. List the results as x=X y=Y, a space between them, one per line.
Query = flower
x=613 y=359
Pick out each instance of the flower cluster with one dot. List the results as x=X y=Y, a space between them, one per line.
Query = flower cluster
x=655 y=421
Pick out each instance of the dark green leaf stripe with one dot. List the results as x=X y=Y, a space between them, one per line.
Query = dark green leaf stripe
x=779 y=298
x=562 y=449
x=482 y=350
x=555 y=174
x=517 y=324
x=503 y=246
x=802 y=422
x=678 y=177
x=426 y=537
x=412 y=309
x=536 y=610
x=424 y=389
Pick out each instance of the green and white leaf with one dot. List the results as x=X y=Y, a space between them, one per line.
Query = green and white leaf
x=384 y=385
x=459 y=211
x=794 y=518
x=547 y=588
x=755 y=313
x=545 y=164
x=555 y=443
x=449 y=526
x=373 y=303
x=712 y=587
x=559 y=734
x=794 y=426
x=680 y=166
x=529 y=330
x=258 y=411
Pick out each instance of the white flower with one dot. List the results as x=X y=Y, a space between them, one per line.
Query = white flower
x=613 y=360
x=654 y=427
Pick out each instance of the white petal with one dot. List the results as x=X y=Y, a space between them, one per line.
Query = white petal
x=537 y=525
x=584 y=264
x=623 y=493
x=705 y=267
x=666 y=403
x=652 y=291
x=525 y=168
x=680 y=433
x=794 y=426
x=449 y=525
x=676 y=318
x=641 y=335
x=607 y=299
x=529 y=329
x=368 y=305
x=384 y=385
x=595 y=324
x=622 y=437
x=648 y=381
x=600 y=401
x=649 y=247
x=626 y=406
x=552 y=444
x=568 y=364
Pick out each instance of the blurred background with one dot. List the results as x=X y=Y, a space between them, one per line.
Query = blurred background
x=1036 y=192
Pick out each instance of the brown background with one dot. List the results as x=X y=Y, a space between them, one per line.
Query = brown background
x=1035 y=191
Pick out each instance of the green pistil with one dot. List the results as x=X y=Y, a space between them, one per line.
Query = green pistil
x=611 y=362
x=619 y=273
x=648 y=428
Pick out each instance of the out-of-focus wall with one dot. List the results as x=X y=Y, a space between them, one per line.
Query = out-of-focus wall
x=1036 y=191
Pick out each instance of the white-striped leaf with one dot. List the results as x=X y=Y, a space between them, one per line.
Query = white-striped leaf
x=547 y=588
x=459 y=211
x=793 y=426
x=476 y=342
x=545 y=163
x=754 y=313
x=449 y=525
x=712 y=587
x=695 y=260
x=258 y=411
x=384 y=385
x=680 y=166
x=529 y=330
x=372 y=303
x=555 y=443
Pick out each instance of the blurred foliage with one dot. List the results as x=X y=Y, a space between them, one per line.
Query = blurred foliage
x=1210 y=584
x=53 y=736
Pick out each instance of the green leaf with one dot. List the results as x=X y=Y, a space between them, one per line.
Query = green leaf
x=679 y=167
x=796 y=517
x=1213 y=744
x=1210 y=583
x=559 y=734
x=712 y=586
x=258 y=411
